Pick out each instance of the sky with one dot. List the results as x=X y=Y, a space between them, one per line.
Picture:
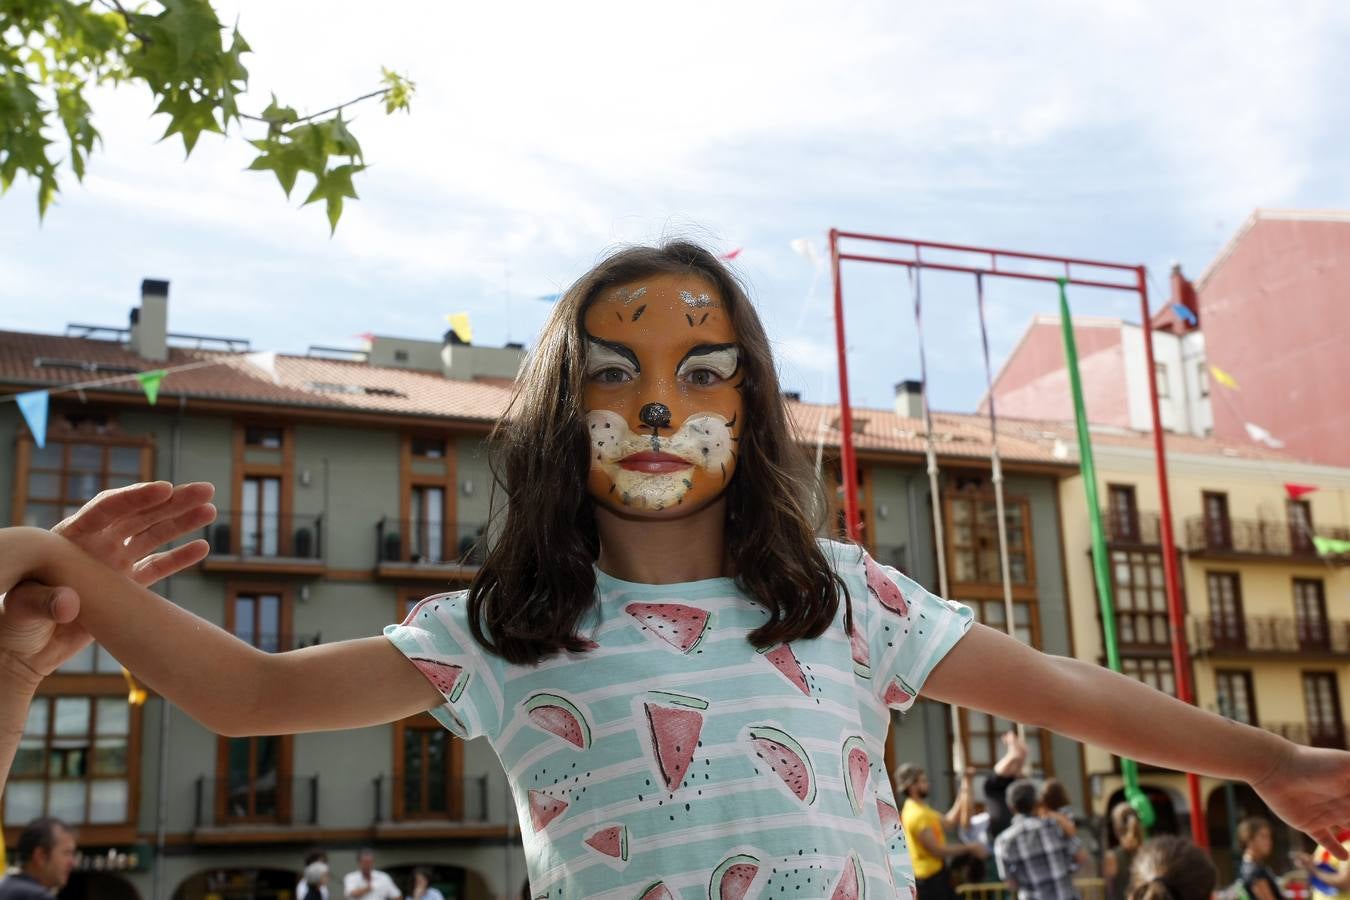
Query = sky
x=542 y=136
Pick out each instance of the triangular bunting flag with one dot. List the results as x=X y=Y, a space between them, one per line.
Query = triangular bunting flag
x=804 y=247
x=1261 y=436
x=549 y=298
x=1224 y=378
x=1184 y=314
x=459 y=324
x=265 y=360
x=1298 y=490
x=33 y=405
x=150 y=383
x=731 y=254
x=1330 y=546
x=135 y=693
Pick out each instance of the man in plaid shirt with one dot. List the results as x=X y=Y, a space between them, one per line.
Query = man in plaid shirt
x=1035 y=855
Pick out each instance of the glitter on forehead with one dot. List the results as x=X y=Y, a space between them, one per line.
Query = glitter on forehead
x=633 y=296
x=695 y=302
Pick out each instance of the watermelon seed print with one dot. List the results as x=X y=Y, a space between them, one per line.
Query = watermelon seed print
x=560 y=716
x=733 y=876
x=852 y=884
x=611 y=842
x=674 y=722
x=862 y=663
x=657 y=891
x=884 y=589
x=857 y=769
x=785 y=661
x=544 y=809
x=898 y=692
x=678 y=625
x=786 y=757
x=447 y=678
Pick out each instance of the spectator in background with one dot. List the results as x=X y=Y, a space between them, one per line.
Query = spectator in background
x=1257 y=841
x=1119 y=860
x=368 y=881
x=314 y=877
x=422 y=889
x=1327 y=875
x=1171 y=868
x=1036 y=857
x=1007 y=770
x=1053 y=803
x=926 y=832
x=46 y=852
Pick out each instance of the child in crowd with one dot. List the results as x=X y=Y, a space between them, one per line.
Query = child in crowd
x=1117 y=863
x=1172 y=868
x=688 y=691
x=1257 y=840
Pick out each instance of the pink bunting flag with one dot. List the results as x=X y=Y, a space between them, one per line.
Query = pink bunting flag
x=731 y=254
x=1298 y=490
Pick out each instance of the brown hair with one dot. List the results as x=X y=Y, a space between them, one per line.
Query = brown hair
x=1249 y=828
x=1125 y=824
x=537 y=583
x=1171 y=868
x=1053 y=796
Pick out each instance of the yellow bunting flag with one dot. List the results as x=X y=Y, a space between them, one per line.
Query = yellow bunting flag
x=1224 y=378
x=150 y=383
x=459 y=324
x=135 y=693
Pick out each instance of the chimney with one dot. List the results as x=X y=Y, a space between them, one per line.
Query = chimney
x=909 y=399
x=1183 y=294
x=150 y=321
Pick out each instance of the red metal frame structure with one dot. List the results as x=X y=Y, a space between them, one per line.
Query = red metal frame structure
x=909 y=254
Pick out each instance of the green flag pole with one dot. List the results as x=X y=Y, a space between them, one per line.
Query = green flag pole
x=1101 y=565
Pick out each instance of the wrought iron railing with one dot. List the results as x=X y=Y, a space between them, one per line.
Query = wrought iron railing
x=403 y=799
x=1269 y=634
x=1310 y=735
x=1135 y=527
x=1255 y=537
x=267 y=800
x=266 y=536
x=430 y=541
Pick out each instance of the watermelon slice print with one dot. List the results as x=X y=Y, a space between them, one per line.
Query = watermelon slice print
x=611 y=842
x=885 y=590
x=898 y=693
x=788 y=760
x=890 y=818
x=559 y=716
x=851 y=885
x=857 y=768
x=785 y=661
x=680 y=626
x=862 y=662
x=732 y=878
x=544 y=809
x=675 y=720
x=449 y=679
x=657 y=891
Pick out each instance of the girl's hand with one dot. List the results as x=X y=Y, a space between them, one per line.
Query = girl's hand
x=1309 y=788
x=122 y=528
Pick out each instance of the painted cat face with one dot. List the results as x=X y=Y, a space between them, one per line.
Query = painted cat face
x=662 y=397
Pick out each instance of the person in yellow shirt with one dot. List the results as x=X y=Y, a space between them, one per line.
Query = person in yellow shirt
x=1328 y=876
x=926 y=832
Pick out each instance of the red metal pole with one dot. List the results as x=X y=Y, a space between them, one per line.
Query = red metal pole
x=847 y=461
x=1171 y=575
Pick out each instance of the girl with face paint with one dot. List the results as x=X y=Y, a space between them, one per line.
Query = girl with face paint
x=688 y=691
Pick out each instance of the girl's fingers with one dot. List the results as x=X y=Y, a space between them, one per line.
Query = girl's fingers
x=184 y=498
x=168 y=530
x=113 y=506
x=158 y=566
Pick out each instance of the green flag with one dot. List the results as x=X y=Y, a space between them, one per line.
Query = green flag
x=1330 y=546
x=150 y=383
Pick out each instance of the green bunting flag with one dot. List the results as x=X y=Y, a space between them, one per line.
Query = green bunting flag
x=1330 y=546
x=150 y=383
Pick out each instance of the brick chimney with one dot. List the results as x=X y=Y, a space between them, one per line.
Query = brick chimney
x=909 y=399
x=1183 y=294
x=150 y=322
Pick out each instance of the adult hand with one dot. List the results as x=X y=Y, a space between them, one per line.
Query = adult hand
x=121 y=528
x=1309 y=788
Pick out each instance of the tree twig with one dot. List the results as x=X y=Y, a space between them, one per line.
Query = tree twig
x=332 y=109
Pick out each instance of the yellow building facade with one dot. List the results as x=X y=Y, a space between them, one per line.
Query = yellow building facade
x=1267 y=619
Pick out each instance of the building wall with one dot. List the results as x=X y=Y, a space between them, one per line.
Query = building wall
x=1034 y=383
x=1273 y=312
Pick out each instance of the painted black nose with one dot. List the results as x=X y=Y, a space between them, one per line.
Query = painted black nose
x=655 y=415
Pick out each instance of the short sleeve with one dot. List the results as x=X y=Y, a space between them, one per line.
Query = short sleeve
x=909 y=631
x=436 y=639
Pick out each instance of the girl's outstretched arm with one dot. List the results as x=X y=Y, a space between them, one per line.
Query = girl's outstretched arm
x=227 y=685
x=987 y=670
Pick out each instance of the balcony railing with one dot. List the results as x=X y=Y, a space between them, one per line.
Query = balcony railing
x=401 y=799
x=268 y=801
x=429 y=542
x=1269 y=635
x=1254 y=537
x=1139 y=528
x=262 y=536
x=1310 y=735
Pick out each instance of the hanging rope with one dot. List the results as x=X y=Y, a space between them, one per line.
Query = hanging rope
x=916 y=288
x=996 y=476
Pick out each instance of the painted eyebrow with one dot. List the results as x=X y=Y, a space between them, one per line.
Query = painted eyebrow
x=708 y=350
x=619 y=349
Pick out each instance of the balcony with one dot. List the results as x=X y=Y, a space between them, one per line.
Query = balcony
x=1138 y=529
x=417 y=807
x=1310 y=735
x=1269 y=636
x=226 y=807
x=430 y=549
x=1254 y=539
x=268 y=543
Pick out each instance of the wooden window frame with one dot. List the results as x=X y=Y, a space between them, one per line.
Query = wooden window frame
x=1131 y=535
x=1300 y=539
x=447 y=480
x=58 y=433
x=243 y=468
x=1319 y=588
x=233 y=590
x=1156 y=661
x=1222 y=530
x=1238 y=629
x=979 y=589
x=1249 y=686
x=1152 y=614
x=1337 y=724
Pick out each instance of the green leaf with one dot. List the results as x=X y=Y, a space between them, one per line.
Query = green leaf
x=398 y=91
x=333 y=186
x=280 y=157
x=189 y=117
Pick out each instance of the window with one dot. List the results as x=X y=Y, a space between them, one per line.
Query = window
x=429 y=786
x=428 y=531
x=1154 y=671
x=1141 y=600
x=267 y=438
x=260 y=516
x=1202 y=376
x=1322 y=704
x=428 y=448
x=1122 y=514
x=1228 y=629
x=973 y=539
x=1160 y=377
x=253 y=782
x=984 y=742
x=427 y=528
x=260 y=522
x=1218 y=529
x=1301 y=526
x=74 y=761
x=994 y=614
x=1237 y=700
x=1310 y=614
x=62 y=476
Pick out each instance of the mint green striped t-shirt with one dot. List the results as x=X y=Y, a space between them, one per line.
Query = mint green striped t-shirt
x=674 y=760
